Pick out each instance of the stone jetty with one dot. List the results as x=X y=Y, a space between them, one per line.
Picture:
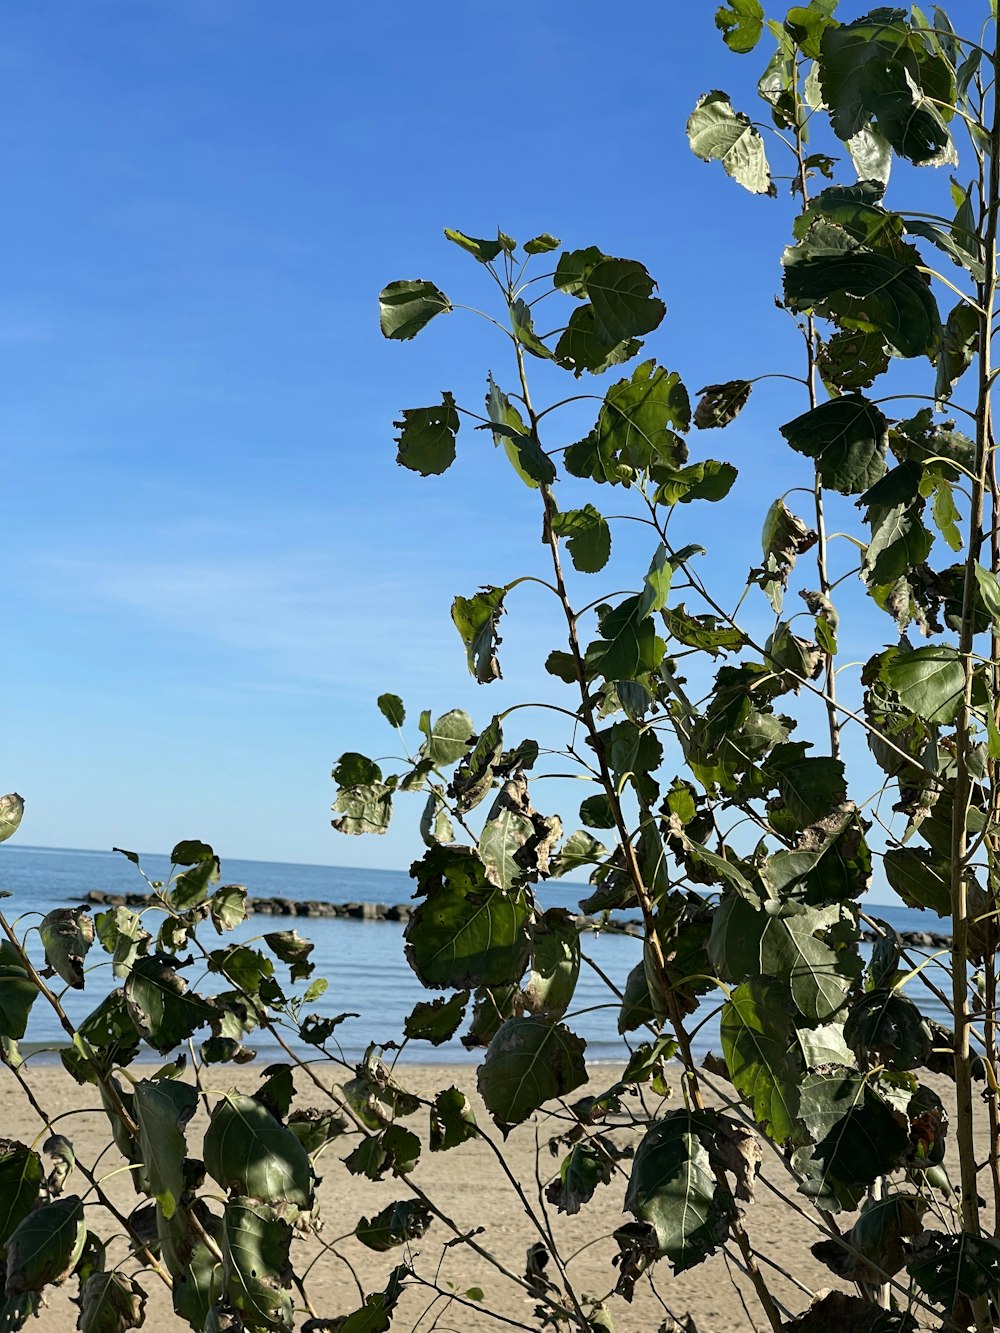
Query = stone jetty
x=366 y=911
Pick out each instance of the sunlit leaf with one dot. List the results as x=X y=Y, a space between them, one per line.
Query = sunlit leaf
x=476 y=618
x=484 y=251
x=248 y=1152
x=11 y=813
x=741 y=23
x=718 y=133
x=256 y=1271
x=426 y=440
x=162 y=1109
x=588 y=537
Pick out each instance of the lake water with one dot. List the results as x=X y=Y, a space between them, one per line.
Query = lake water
x=362 y=961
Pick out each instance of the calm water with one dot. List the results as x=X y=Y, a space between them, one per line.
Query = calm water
x=362 y=961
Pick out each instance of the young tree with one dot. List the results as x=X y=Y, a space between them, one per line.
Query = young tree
x=723 y=802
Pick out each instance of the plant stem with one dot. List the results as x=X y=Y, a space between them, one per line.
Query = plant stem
x=652 y=941
x=959 y=886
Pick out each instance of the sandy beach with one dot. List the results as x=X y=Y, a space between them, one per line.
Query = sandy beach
x=469 y=1185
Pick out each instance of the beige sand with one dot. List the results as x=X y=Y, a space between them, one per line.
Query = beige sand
x=469 y=1185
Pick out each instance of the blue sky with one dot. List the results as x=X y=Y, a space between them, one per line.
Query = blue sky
x=213 y=564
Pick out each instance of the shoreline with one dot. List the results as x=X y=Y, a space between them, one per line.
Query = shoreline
x=468 y=1184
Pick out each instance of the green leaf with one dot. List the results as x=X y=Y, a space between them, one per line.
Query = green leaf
x=573 y=270
x=989 y=592
x=191 y=888
x=581 y=1171
x=228 y=907
x=397 y=1223
x=476 y=618
x=831 y=863
x=20 y=1181
x=852 y=360
x=555 y=964
x=436 y=1021
x=256 y=1271
x=376 y=1313
x=291 y=948
x=453 y=1120
x=435 y=822
x=621 y=296
x=741 y=23
x=44 y=1247
x=887 y=1029
x=948 y=1267
x=395 y=1149
x=919 y=877
x=111 y=1303
x=761 y=1054
x=638 y=420
x=529 y=1062
x=248 y=1152
x=636 y=1006
x=540 y=245
x=805 y=24
x=580 y=849
x=191 y=852
x=391 y=708
x=721 y=403
x=162 y=1008
x=630 y=647
x=877 y=69
x=17 y=993
x=448 y=738
x=11 y=813
x=832 y=274
x=162 y=1109
x=581 y=346
x=67 y=934
x=785 y=941
x=363 y=799
x=857 y=1137
x=945 y=513
x=705 y=632
x=407 y=307
x=673 y=1189
x=847 y=437
x=426 y=440
x=521 y=446
x=710 y=480
x=465 y=932
x=959 y=343
x=718 y=133
x=812 y=787
x=929 y=682
x=484 y=251
x=588 y=537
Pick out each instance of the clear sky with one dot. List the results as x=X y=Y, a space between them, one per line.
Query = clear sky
x=212 y=563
